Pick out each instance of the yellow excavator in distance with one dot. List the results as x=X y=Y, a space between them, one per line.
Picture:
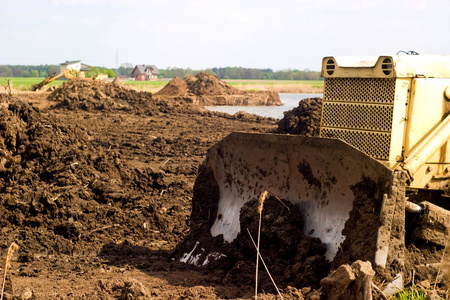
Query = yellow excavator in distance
x=69 y=74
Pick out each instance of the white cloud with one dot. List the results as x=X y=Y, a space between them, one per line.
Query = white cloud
x=90 y=21
x=57 y=18
x=31 y=34
x=236 y=15
x=416 y=4
x=79 y=2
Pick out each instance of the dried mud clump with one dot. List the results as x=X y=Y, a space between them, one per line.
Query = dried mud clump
x=61 y=194
x=304 y=119
x=207 y=89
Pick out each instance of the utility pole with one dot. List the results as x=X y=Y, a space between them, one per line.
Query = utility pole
x=117 y=58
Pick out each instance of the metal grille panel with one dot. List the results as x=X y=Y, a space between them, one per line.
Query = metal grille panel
x=374 y=144
x=358 y=116
x=374 y=90
x=360 y=112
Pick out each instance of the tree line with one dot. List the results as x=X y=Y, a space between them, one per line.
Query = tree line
x=126 y=69
x=244 y=73
x=46 y=70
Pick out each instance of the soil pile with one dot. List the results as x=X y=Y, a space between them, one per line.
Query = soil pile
x=60 y=194
x=206 y=89
x=97 y=95
x=207 y=84
x=304 y=119
x=201 y=84
x=175 y=87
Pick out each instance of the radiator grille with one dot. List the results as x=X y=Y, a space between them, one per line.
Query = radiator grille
x=373 y=90
x=359 y=111
x=358 y=116
x=374 y=144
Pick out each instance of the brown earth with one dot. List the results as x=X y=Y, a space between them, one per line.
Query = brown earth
x=97 y=196
x=304 y=119
x=96 y=182
x=206 y=89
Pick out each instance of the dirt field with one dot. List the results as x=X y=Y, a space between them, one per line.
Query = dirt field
x=97 y=197
x=96 y=185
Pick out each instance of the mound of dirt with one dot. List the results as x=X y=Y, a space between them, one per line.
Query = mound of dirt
x=175 y=87
x=207 y=84
x=206 y=89
x=60 y=194
x=304 y=119
x=202 y=84
x=97 y=95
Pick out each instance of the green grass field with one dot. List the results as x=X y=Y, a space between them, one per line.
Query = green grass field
x=149 y=86
x=281 y=86
x=25 y=83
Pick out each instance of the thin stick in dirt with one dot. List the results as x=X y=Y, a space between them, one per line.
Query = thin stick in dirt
x=265 y=266
x=12 y=248
x=261 y=200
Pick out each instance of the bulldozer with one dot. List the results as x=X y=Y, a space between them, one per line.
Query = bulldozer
x=69 y=74
x=382 y=144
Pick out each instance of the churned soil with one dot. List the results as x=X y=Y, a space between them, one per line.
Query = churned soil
x=303 y=119
x=96 y=182
x=201 y=84
x=207 y=89
x=96 y=195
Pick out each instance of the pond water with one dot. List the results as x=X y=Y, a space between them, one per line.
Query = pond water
x=289 y=102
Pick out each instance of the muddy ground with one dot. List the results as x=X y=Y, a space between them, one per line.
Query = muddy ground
x=97 y=196
x=96 y=187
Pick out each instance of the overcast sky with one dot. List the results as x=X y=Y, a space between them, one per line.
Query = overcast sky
x=276 y=34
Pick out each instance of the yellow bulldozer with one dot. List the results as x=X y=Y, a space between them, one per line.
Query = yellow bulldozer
x=69 y=74
x=383 y=144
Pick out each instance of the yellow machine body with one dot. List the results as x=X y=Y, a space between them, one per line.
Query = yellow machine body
x=387 y=106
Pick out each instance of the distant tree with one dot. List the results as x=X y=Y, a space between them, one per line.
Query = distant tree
x=17 y=72
x=127 y=65
x=93 y=72
x=126 y=68
x=110 y=73
x=123 y=71
x=53 y=69
x=6 y=71
x=34 y=73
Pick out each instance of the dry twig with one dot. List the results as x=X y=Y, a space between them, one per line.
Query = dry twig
x=382 y=295
x=265 y=266
x=12 y=248
x=261 y=200
x=279 y=200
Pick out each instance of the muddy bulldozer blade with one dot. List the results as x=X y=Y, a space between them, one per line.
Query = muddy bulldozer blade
x=329 y=180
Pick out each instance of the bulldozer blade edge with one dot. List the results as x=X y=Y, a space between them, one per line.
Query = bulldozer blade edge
x=316 y=174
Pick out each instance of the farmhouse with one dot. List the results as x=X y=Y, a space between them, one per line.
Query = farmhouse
x=75 y=65
x=145 y=72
